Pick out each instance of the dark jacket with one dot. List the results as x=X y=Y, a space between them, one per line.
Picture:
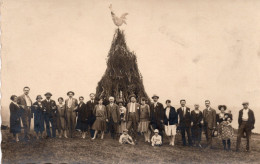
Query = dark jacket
x=113 y=113
x=173 y=116
x=50 y=107
x=156 y=112
x=82 y=112
x=209 y=118
x=90 y=109
x=219 y=120
x=137 y=112
x=15 y=114
x=251 y=118
x=185 y=120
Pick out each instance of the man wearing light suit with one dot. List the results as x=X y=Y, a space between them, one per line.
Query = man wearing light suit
x=133 y=115
x=210 y=123
x=25 y=102
x=113 y=116
x=70 y=107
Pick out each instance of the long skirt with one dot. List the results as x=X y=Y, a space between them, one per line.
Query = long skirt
x=170 y=130
x=143 y=126
x=99 y=125
x=225 y=131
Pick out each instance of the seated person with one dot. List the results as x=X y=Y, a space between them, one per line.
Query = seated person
x=156 y=139
x=125 y=138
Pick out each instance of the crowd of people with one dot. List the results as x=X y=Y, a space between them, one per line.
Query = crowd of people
x=118 y=119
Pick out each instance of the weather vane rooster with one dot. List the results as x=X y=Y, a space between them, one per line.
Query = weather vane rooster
x=118 y=21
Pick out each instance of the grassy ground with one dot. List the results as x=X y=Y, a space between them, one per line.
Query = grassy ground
x=78 y=150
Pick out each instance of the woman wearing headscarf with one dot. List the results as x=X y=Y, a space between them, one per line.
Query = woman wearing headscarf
x=15 y=114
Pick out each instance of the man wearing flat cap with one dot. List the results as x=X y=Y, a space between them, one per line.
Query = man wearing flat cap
x=133 y=114
x=49 y=114
x=70 y=107
x=246 y=122
x=157 y=114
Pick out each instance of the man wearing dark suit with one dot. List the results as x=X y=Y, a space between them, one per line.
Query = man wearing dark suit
x=90 y=115
x=157 y=114
x=50 y=115
x=113 y=116
x=210 y=123
x=246 y=122
x=133 y=115
x=25 y=102
x=184 y=122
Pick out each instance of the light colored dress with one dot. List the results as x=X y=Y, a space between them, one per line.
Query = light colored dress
x=122 y=126
x=101 y=116
x=144 y=119
x=170 y=130
x=61 y=121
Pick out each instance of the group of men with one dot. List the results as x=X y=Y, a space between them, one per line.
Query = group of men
x=246 y=117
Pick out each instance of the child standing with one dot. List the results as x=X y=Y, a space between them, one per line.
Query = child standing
x=125 y=138
x=156 y=139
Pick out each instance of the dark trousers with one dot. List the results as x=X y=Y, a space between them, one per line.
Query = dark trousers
x=113 y=127
x=132 y=123
x=90 y=122
x=244 y=128
x=184 y=130
x=53 y=122
x=26 y=119
x=46 y=117
x=208 y=133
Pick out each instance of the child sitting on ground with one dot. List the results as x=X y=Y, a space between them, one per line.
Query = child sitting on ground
x=125 y=138
x=156 y=139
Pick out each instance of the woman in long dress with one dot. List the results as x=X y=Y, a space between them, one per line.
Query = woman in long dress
x=37 y=110
x=122 y=110
x=225 y=130
x=196 y=125
x=61 y=118
x=15 y=114
x=101 y=118
x=170 y=121
x=143 y=126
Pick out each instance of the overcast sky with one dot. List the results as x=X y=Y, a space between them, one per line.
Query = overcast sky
x=188 y=49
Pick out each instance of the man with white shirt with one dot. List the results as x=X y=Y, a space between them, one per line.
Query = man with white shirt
x=246 y=122
x=50 y=115
x=133 y=115
x=184 y=121
x=70 y=107
x=25 y=102
x=113 y=116
x=210 y=123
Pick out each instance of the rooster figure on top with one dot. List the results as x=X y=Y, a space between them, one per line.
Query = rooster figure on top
x=122 y=77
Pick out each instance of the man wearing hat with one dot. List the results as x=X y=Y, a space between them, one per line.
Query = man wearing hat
x=157 y=114
x=49 y=114
x=113 y=116
x=133 y=114
x=246 y=122
x=26 y=103
x=90 y=105
x=70 y=107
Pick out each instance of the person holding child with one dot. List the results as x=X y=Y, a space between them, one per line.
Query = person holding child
x=125 y=138
x=156 y=139
x=225 y=130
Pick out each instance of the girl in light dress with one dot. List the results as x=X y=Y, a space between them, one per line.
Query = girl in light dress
x=143 y=126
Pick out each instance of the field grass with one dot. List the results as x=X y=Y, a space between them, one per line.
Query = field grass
x=79 y=150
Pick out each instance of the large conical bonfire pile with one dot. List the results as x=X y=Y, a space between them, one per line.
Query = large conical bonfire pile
x=122 y=77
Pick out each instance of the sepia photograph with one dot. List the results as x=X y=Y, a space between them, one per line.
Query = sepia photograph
x=130 y=81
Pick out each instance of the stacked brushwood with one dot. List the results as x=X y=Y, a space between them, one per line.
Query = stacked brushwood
x=122 y=77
